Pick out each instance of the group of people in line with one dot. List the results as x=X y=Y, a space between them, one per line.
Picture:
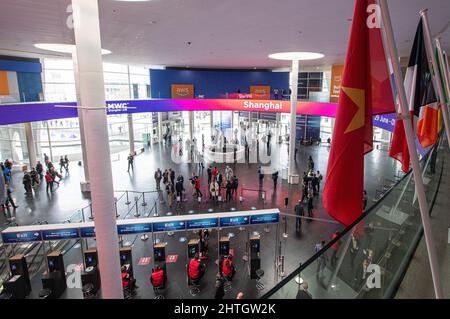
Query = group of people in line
x=217 y=182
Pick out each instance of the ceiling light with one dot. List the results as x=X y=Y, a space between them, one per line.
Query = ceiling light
x=62 y=48
x=300 y=56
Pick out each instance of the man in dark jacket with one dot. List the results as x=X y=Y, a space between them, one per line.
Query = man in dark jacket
x=299 y=212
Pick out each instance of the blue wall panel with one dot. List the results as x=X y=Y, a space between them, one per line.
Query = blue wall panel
x=215 y=83
x=30 y=85
x=20 y=66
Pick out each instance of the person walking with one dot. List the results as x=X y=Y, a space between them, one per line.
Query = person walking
x=66 y=163
x=130 y=160
x=62 y=164
x=165 y=177
x=49 y=181
x=299 y=212
x=179 y=188
x=229 y=192
x=158 y=177
x=319 y=180
x=335 y=248
x=198 y=192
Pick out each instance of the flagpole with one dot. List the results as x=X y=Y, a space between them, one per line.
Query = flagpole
x=420 y=189
x=443 y=68
x=435 y=69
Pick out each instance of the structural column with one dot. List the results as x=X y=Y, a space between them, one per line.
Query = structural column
x=31 y=145
x=81 y=123
x=160 y=133
x=293 y=119
x=191 y=124
x=92 y=92
x=130 y=132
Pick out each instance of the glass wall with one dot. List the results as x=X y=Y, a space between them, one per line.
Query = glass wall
x=121 y=81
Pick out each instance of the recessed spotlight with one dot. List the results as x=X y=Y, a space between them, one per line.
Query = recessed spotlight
x=62 y=48
x=189 y=43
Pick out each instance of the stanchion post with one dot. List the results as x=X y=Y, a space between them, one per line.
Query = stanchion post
x=128 y=200
x=143 y=199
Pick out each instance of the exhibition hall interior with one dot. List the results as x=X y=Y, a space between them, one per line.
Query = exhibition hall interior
x=192 y=149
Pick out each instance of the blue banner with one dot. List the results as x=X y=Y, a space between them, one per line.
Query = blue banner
x=21 y=237
x=134 y=229
x=234 y=221
x=58 y=234
x=202 y=223
x=169 y=226
x=264 y=219
x=87 y=232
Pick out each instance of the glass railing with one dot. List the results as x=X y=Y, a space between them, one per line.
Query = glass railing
x=370 y=257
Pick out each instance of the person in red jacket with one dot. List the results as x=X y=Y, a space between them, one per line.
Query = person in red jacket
x=158 y=278
x=228 y=269
x=335 y=248
x=196 y=269
x=49 y=180
x=127 y=281
x=198 y=193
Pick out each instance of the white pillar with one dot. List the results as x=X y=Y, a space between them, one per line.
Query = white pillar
x=80 y=122
x=31 y=145
x=191 y=124
x=130 y=132
x=293 y=119
x=92 y=91
x=160 y=133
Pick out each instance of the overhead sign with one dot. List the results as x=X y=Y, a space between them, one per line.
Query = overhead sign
x=87 y=232
x=21 y=237
x=202 y=223
x=59 y=234
x=260 y=92
x=337 y=71
x=131 y=229
x=264 y=219
x=234 y=221
x=182 y=91
x=35 y=233
x=169 y=226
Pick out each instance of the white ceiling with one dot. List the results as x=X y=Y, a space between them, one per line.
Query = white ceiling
x=223 y=33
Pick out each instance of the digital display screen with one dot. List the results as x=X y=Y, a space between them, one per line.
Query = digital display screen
x=234 y=221
x=264 y=219
x=13 y=267
x=51 y=263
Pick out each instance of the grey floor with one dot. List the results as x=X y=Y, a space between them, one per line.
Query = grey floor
x=298 y=247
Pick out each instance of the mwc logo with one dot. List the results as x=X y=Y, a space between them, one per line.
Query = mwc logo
x=119 y=107
x=183 y=91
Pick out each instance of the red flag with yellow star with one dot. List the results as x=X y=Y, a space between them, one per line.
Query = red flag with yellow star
x=365 y=90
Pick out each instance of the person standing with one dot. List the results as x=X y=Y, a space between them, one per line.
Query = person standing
x=34 y=178
x=209 y=172
x=158 y=177
x=322 y=260
x=172 y=176
x=214 y=190
x=235 y=185
x=299 y=212
x=27 y=182
x=9 y=199
x=40 y=169
x=354 y=248
x=310 y=205
x=49 y=181
x=229 y=193
x=319 y=180
x=335 y=248
x=261 y=176
x=165 y=177
x=310 y=163
x=130 y=162
x=170 y=193
x=220 y=291
x=179 y=188
x=275 y=179
x=304 y=293
x=66 y=163
x=62 y=164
